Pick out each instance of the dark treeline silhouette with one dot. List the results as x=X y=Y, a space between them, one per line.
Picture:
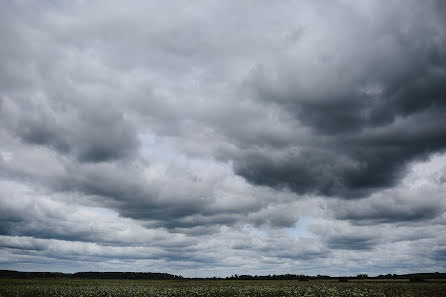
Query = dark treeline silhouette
x=125 y=275
x=414 y=277
x=19 y=274
x=90 y=275
x=299 y=277
x=435 y=275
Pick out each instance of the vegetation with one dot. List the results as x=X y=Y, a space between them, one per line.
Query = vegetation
x=68 y=287
x=90 y=275
x=415 y=277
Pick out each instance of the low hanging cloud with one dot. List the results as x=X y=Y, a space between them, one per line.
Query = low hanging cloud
x=254 y=136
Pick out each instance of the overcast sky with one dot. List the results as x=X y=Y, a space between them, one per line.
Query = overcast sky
x=211 y=138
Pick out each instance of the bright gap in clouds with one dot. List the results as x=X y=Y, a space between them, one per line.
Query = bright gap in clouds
x=302 y=227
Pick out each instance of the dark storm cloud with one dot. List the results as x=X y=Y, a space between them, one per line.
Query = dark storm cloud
x=369 y=116
x=356 y=158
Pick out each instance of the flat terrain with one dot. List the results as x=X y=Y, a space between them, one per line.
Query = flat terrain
x=127 y=288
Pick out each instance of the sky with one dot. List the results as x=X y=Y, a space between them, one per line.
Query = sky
x=211 y=138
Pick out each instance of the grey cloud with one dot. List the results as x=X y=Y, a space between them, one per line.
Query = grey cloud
x=39 y=102
x=369 y=117
x=184 y=198
x=348 y=101
x=376 y=238
x=386 y=212
x=91 y=133
x=338 y=235
x=352 y=163
x=207 y=253
x=439 y=254
x=415 y=199
x=134 y=137
x=351 y=242
x=25 y=214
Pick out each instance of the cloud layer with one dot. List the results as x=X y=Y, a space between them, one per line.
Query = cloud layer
x=213 y=138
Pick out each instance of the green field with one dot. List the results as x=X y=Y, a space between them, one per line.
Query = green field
x=126 y=288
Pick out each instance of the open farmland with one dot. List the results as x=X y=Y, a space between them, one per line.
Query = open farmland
x=127 y=288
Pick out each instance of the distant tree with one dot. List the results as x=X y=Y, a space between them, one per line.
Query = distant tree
x=416 y=280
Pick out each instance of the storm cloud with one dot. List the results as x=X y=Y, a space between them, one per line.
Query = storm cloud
x=212 y=138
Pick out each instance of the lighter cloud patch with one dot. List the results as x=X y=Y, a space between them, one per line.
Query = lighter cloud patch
x=427 y=172
x=102 y=211
x=253 y=230
x=302 y=228
x=159 y=151
x=6 y=156
x=372 y=89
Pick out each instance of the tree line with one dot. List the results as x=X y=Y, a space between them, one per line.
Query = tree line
x=167 y=276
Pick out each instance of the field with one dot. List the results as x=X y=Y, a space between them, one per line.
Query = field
x=127 y=288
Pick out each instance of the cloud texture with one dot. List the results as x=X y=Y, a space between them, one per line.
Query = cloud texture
x=212 y=138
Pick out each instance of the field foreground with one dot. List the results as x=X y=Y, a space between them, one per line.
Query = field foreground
x=127 y=288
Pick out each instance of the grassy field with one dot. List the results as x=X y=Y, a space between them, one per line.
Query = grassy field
x=127 y=288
